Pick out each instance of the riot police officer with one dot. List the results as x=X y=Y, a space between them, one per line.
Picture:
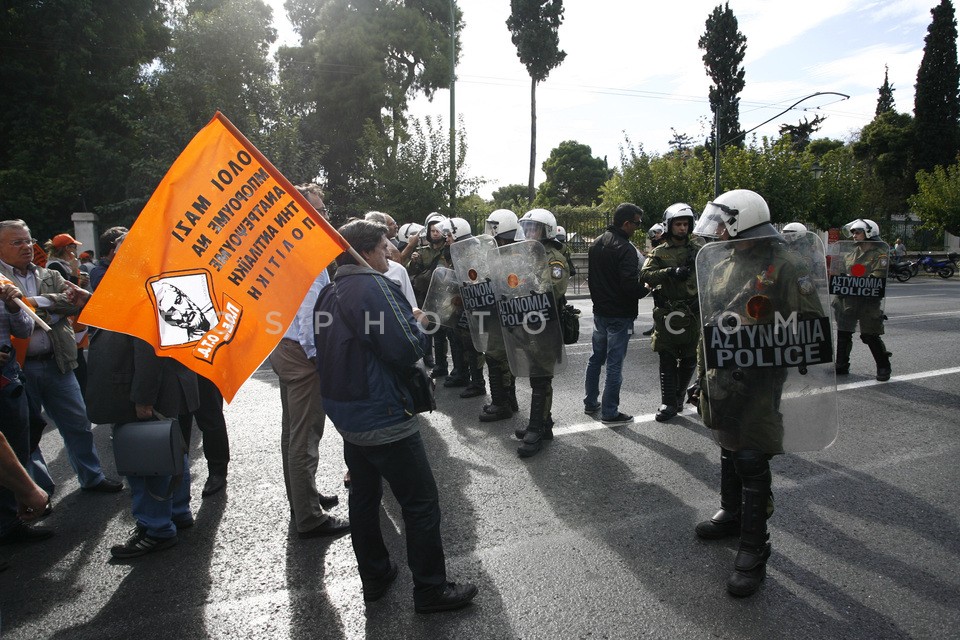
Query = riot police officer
x=423 y=262
x=456 y=230
x=655 y=233
x=754 y=280
x=541 y=225
x=669 y=270
x=502 y=226
x=870 y=258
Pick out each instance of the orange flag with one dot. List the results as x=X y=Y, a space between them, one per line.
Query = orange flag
x=217 y=263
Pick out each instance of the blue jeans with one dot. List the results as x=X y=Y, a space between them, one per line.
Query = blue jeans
x=610 y=339
x=59 y=393
x=404 y=465
x=157 y=515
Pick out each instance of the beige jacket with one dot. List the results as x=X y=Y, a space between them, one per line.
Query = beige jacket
x=51 y=286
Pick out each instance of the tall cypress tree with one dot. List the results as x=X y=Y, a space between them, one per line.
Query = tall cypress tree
x=936 y=104
x=534 y=29
x=885 y=100
x=724 y=47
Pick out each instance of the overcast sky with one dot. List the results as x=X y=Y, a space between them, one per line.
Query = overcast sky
x=633 y=69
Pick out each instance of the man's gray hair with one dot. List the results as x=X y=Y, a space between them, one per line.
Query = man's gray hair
x=377 y=216
x=14 y=224
x=310 y=187
x=363 y=235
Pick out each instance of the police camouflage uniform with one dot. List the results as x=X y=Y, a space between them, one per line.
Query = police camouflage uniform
x=868 y=312
x=676 y=299
x=747 y=420
x=420 y=273
x=544 y=357
x=748 y=417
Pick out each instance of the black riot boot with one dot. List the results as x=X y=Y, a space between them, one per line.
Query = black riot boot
x=685 y=370
x=499 y=407
x=460 y=373
x=668 y=387
x=750 y=566
x=844 y=346
x=474 y=364
x=512 y=391
x=726 y=522
x=880 y=354
x=439 y=341
x=540 y=422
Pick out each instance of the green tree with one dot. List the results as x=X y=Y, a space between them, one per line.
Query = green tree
x=534 y=26
x=511 y=196
x=72 y=100
x=801 y=132
x=724 y=48
x=574 y=176
x=361 y=62
x=936 y=105
x=410 y=184
x=937 y=200
x=654 y=182
x=884 y=149
x=885 y=99
x=218 y=60
x=680 y=142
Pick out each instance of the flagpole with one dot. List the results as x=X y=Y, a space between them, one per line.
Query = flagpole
x=290 y=189
x=23 y=305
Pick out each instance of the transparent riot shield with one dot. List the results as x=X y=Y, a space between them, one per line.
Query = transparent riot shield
x=767 y=347
x=471 y=262
x=858 y=282
x=443 y=303
x=527 y=310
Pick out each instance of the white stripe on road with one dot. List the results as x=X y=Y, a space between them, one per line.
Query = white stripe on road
x=596 y=425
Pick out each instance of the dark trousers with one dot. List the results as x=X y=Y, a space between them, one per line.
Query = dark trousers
x=213 y=427
x=403 y=464
x=15 y=427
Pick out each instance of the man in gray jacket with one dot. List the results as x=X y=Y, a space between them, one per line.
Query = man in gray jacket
x=52 y=356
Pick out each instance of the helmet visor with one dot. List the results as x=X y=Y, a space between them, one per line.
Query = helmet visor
x=530 y=230
x=856 y=225
x=713 y=222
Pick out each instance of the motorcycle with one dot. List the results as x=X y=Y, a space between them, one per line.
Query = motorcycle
x=943 y=268
x=902 y=270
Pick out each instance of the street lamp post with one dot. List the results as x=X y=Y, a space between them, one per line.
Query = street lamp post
x=453 y=108
x=716 y=132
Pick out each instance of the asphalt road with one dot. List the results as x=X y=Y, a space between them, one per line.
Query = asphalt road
x=591 y=538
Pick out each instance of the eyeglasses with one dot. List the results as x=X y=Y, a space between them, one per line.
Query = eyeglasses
x=21 y=242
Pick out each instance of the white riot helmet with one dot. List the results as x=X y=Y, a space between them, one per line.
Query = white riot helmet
x=410 y=232
x=458 y=228
x=742 y=212
x=794 y=231
x=432 y=218
x=654 y=231
x=501 y=223
x=870 y=228
x=677 y=211
x=561 y=234
x=537 y=224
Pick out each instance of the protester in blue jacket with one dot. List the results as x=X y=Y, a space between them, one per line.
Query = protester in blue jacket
x=367 y=335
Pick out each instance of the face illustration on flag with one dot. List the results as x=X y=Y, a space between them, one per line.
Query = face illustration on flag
x=215 y=267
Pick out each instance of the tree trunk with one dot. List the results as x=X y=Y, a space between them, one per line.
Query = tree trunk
x=533 y=139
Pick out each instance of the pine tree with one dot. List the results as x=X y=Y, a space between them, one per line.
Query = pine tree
x=936 y=105
x=885 y=101
x=724 y=47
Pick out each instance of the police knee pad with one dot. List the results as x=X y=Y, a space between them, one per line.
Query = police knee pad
x=751 y=463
